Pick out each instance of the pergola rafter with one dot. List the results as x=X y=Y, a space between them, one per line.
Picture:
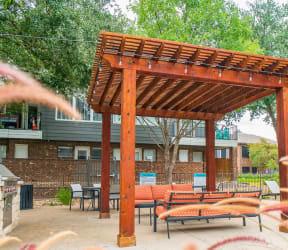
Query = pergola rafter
x=152 y=77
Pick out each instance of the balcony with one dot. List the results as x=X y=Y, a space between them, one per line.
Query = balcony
x=226 y=136
x=21 y=125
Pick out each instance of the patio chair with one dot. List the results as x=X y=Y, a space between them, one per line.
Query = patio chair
x=77 y=193
x=96 y=193
x=115 y=195
x=273 y=188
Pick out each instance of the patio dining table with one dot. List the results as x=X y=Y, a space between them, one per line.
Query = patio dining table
x=91 y=192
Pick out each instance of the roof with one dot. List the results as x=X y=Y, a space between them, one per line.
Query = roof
x=180 y=80
x=249 y=138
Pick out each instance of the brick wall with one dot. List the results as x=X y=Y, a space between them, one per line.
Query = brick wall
x=244 y=162
x=47 y=172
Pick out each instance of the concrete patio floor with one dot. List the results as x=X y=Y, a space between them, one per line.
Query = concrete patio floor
x=40 y=223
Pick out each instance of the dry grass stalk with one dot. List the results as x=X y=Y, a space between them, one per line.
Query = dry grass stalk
x=47 y=243
x=7 y=240
x=284 y=160
x=185 y=208
x=250 y=201
x=284 y=189
x=237 y=239
x=28 y=89
x=280 y=206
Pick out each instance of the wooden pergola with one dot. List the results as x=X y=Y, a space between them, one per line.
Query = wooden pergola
x=150 y=77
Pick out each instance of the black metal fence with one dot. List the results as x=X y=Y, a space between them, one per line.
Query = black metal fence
x=47 y=182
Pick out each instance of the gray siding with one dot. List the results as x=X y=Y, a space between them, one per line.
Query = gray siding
x=82 y=131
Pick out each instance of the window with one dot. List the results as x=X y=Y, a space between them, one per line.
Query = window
x=183 y=155
x=254 y=170
x=245 y=170
x=96 y=154
x=245 y=152
x=116 y=154
x=149 y=154
x=138 y=154
x=221 y=153
x=82 y=152
x=2 y=151
x=197 y=157
x=81 y=105
x=138 y=121
x=65 y=152
x=21 y=151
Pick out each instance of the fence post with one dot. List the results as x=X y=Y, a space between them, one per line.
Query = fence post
x=222 y=182
x=88 y=172
x=63 y=182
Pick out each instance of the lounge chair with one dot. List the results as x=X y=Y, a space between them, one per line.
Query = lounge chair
x=273 y=188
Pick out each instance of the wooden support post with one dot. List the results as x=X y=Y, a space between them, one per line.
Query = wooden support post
x=282 y=134
x=210 y=155
x=105 y=165
x=126 y=235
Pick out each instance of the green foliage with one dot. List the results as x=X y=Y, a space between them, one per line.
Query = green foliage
x=264 y=154
x=250 y=178
x=215 y=23
x=270 y=27
x=63 y=195
x=63 y=65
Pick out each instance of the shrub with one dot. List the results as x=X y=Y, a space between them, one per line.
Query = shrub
x=63 y=195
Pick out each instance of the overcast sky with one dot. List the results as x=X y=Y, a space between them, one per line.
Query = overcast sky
x=256 y=127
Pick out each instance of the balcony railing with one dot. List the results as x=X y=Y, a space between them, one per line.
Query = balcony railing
x=21 y=121
x=222 y=132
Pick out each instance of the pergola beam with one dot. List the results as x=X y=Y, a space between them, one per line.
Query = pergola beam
x=194 y=72
x=160 y=113
x=158 y=92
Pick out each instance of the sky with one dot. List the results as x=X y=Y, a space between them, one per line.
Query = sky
x=256 y=127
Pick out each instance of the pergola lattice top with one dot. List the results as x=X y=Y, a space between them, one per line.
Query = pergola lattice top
x=181 y=80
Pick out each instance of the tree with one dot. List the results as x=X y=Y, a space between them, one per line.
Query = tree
x=270 y=27
x=168 y=146
x=215 y=23
x=264 y=155
x=63 y=65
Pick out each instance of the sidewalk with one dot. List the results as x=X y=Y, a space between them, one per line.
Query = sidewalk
x=40 y=223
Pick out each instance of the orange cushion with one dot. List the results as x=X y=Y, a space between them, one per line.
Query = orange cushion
x=158 y=191
x=208 y=212
x=215 y=197
x=182 y=187
x=188 y=213
x=143 y=201
x=247 y=195
x=143 y=192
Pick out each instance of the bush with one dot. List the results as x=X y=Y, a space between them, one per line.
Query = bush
x=63 y=195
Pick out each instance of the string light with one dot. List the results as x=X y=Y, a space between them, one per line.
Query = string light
x=100 y=65
x=250 y=76
x=120 y=60
x=220 y=73
x=97 y=81
x=280 y=79
x=186 y=69
x=189 y=62
x=149 y=64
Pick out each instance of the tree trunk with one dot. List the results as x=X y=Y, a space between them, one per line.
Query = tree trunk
x=167 y=163
x=171 y=165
